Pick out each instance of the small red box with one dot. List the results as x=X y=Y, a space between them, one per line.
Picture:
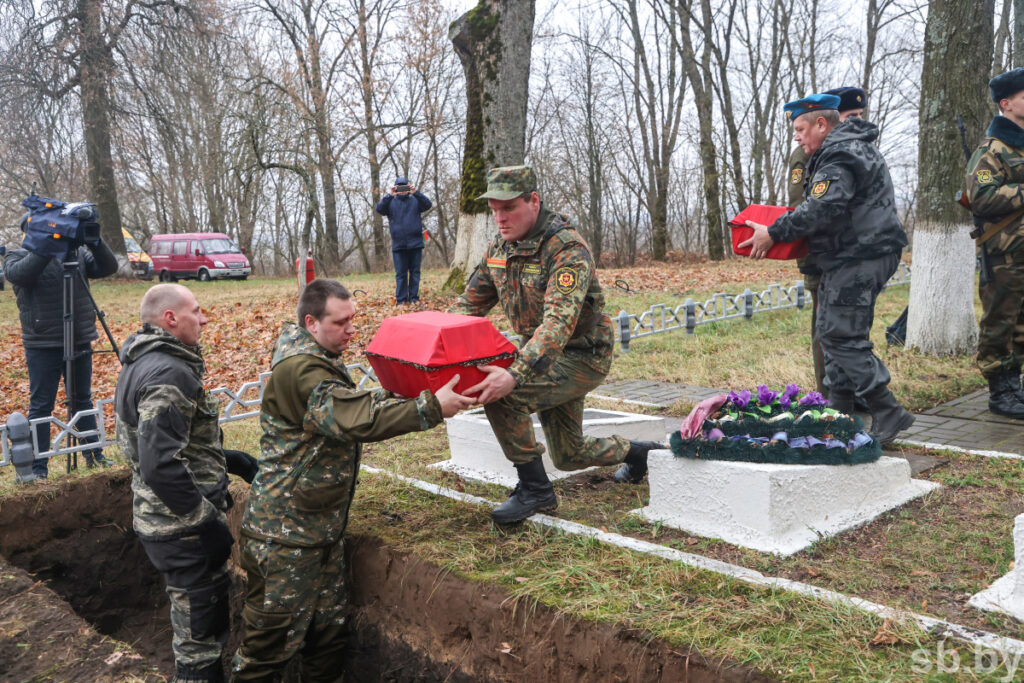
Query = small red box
x=765 y=215
x=424 y=350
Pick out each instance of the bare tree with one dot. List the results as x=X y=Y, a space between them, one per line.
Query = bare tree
x=77 y=39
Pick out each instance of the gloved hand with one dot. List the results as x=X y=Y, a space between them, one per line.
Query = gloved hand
x=216 y=540
x=241 y=464
x=43 y=244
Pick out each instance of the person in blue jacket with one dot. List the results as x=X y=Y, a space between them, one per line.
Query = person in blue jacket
x=404 y=205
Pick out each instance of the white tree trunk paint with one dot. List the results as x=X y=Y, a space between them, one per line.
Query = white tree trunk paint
x=941 y=318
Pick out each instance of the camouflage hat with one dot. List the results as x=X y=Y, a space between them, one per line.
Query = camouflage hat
x=508 y=182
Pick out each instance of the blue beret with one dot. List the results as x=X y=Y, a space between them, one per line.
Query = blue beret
x=850 y=98
x=401 y=180
x=810 y=103
x=1007 y=84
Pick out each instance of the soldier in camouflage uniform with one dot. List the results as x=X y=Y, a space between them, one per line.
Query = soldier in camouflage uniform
x=167 y=430
x=995 y=186
x=539 y=269
x=314 y=421
x=849 y=219
x=852 y=102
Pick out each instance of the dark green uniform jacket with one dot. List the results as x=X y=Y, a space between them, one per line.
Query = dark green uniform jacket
x=314 y=420
x=167 y=430
x=849 y=208
x=547 y=286
x=995 y=183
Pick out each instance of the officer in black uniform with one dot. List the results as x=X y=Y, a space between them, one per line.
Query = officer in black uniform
x=849 y=219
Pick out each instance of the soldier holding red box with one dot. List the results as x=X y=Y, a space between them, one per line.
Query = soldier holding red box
x=539 y=268
x=849 y=219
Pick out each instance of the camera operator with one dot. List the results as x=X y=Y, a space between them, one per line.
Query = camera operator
x=36 y=272
x=403 y=205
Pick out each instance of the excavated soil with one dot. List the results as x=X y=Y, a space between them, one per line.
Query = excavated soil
x=79 y=601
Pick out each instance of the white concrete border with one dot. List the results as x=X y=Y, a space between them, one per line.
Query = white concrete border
x=958 y=449
x=936 y=627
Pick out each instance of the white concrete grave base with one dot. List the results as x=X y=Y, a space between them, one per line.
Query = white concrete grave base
x=1006 y=595
x=476 y=454
x=779 y=509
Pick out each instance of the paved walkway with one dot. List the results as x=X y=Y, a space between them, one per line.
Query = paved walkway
x=962 y=423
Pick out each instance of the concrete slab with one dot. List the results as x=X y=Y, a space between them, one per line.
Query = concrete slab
x=476 y=454
x=1006 y=595
x=778 y=509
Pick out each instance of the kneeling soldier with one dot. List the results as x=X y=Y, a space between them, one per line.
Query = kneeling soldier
x=540 y=270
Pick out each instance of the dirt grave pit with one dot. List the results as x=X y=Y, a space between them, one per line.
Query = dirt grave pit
x=79 y=601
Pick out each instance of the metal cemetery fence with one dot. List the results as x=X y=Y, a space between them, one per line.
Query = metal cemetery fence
x=18 y=436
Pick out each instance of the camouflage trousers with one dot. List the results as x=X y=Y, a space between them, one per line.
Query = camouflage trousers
x=200 y=610
x=557 y=397
x=296 y=602
x=1001 y=330
x=846 y=311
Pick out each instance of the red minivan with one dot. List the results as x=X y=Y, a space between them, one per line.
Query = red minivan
x=200 y=255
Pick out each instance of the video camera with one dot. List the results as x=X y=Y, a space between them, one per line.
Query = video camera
x=74 y=224
x=403 y=188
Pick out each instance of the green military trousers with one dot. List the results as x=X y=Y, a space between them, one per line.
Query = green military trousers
x=296 y=601
x=557 y=397
x=1001 y=330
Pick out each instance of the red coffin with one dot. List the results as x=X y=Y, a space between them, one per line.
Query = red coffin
x=765 y=215
x=424 y=350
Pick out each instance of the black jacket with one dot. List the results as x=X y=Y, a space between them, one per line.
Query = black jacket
x=38 y=286
x=849 y=207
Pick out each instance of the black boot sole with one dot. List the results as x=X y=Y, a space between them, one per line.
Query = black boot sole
x=517 y=519
x=1005 y=413
x=906 y=423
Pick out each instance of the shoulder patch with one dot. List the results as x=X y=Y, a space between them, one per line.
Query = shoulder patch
x=984 y=176
x=797 y=176
x=566 y=280
x=819 y=188
x=496 y=262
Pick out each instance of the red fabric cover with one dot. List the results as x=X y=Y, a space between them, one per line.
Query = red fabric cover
x=764 y=214
x=439 y=341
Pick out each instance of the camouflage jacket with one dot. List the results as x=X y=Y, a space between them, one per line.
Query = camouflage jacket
x=547 y=286
x=168 y=432
x=795 y=182
x=314 y=420
x=995 y=183
x=849 y=207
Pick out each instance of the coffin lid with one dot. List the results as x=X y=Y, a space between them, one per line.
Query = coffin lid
x=765 y=214
x=431 y=338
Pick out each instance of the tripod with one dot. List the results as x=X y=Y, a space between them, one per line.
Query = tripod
x=71 y=268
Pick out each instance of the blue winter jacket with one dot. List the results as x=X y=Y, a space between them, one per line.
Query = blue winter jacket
x=403 y=214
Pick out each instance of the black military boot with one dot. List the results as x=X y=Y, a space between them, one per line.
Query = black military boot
x=888 y=417
x=1002 y=399
x=842 y=400
x=533 y=493
x=634 y=467
x=1015 y=384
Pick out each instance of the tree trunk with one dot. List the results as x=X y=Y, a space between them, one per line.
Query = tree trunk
x=957 y=59
x=493 y=41
x=699 y=73
x=1018 y=32
x=95 y=67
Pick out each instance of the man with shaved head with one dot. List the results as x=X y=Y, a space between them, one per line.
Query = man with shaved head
x=168 y=432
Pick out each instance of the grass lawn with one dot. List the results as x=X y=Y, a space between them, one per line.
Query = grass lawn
x=927 y=556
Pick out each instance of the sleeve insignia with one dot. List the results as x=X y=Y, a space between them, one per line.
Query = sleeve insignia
x=566 y=280
x=797 y=176
x=984 y=176
x=819 y=189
